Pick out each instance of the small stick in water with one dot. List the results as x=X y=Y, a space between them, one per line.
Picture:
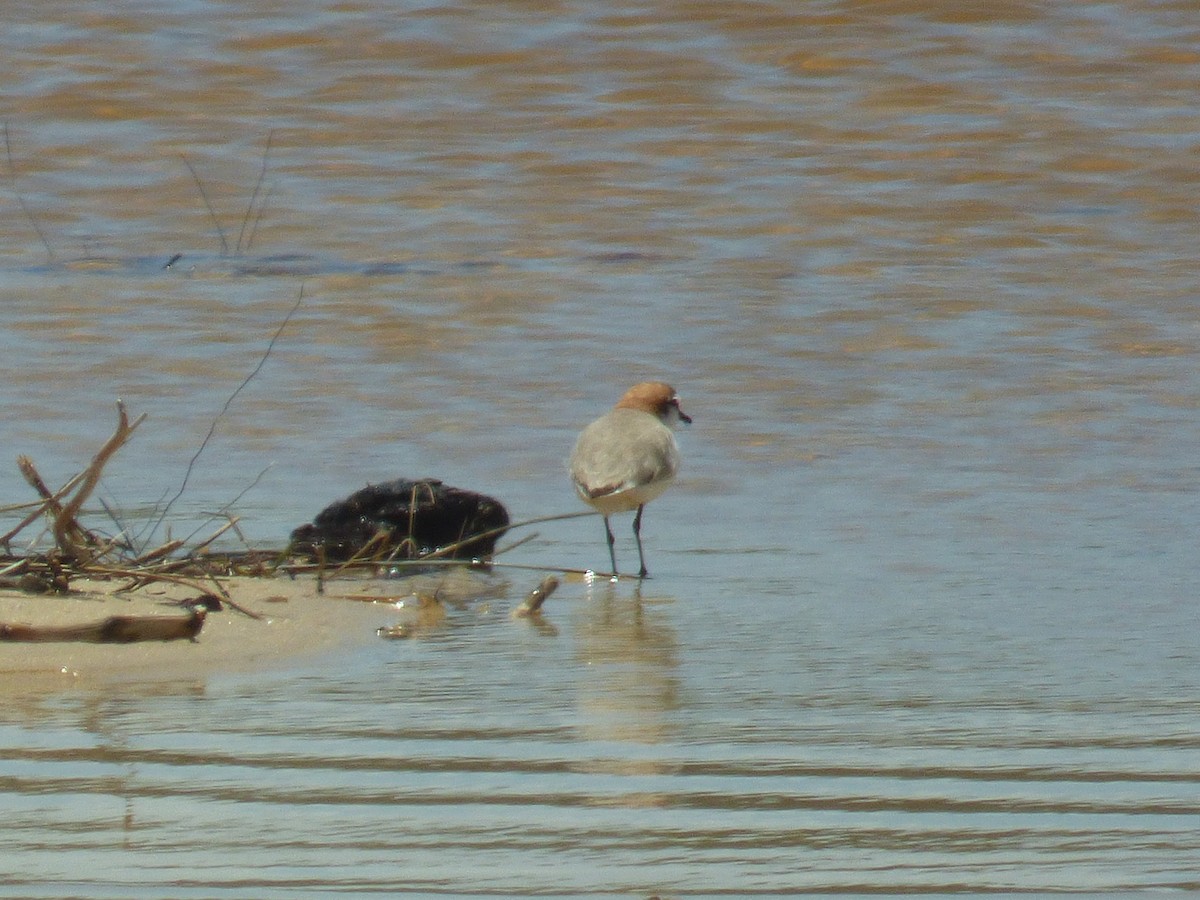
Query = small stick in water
x=532 y=606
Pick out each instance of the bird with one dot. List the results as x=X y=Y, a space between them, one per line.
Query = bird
x=628 y=456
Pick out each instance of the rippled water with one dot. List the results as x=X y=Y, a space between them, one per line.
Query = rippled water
x=923 y=610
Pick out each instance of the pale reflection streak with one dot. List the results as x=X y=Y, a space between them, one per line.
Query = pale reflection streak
x=631 y=690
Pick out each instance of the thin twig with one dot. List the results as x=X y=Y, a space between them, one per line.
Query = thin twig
x=29 y=216
x=158 y=553
x=216 y=586
x=50 y=501
x=247 y=489
x=258 y=216
x=555 y=518
x=223 y=512
x=24 y=523
x=262 y=174
x=566 y=570
x=533 y=535
x=451 y=548
x=18 y=507
x=231 y=524
x=212 y=213
x=213 y=427
x=113 y=516
x=370 y=553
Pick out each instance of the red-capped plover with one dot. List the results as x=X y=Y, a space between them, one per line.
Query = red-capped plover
x=628 y=457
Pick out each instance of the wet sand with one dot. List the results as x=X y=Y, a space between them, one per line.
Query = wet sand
x=297 y=622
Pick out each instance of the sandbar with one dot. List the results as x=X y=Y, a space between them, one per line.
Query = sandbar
x=297 y=621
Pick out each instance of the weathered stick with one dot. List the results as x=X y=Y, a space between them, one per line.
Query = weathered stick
x=67 y=531
x=49 y=502
x=113 y=630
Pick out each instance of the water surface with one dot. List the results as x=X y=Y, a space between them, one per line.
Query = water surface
x=923 y=613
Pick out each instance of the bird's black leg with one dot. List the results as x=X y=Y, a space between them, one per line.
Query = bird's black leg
x=637 y=533
x=612 y=554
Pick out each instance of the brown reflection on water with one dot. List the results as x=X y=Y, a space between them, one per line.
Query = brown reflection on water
x=924 y=272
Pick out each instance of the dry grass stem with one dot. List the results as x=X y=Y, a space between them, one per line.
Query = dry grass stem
x=231 y=525
x=158 y=553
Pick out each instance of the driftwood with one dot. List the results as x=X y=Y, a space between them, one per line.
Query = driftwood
x=72 y=540
x=80 y=553
x=402 y=525
x=532 y=605
x=113 y=630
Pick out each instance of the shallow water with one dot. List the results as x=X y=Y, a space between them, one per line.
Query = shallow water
x=923 y=612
